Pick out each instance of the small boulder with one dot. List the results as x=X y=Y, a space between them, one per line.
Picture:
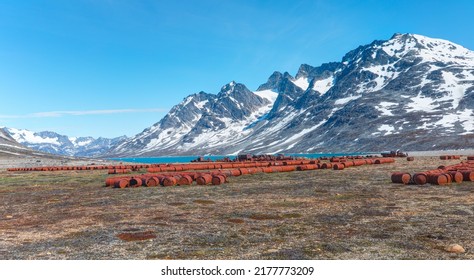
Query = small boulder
x=454 y=248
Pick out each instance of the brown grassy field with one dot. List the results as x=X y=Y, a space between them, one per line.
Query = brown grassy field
x=356 y=213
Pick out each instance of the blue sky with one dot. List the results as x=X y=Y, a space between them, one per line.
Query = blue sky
x=110 y=68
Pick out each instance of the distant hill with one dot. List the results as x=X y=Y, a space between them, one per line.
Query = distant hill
x=54 y=143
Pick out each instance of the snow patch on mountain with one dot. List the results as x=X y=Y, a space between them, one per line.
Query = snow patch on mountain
x=322 y=86
x=26 y=136
x=302 y=83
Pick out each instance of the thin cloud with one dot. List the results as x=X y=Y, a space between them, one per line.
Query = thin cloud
x=56 y=114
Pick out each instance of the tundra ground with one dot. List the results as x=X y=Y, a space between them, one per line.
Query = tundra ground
x=355 y=213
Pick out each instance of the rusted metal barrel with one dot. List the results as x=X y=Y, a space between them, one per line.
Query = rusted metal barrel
x=438 y=179
x=326 y=165
x=401 y=178
x=218 y=179
x=267 y=169
x=420 y=178
x=244 y=171
x=467 y=175
x=204 y=179
x=235 y=172
x=384 y=160
x=456 y=176
x=410 y=158
x=276 y=169
x=169 y=181
x=288 y=168
x=347 y=164
x=121 y=183
x=135 y=182
x=369 y=161
x=338 y=166
x=358 y=162
x=184 y=180
x=110 y=181
x=302 y=167
x=152 y=181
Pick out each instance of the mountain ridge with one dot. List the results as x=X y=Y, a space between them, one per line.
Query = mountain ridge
x=57 y=144
x=410 y=92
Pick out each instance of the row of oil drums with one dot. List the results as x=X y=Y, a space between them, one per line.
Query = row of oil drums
x=217 y=177
x=167 y=180
x=456 y=173
x=446 y=157
x=127 y=168
x=118 y=169
x=82 y=168
x=342 y=164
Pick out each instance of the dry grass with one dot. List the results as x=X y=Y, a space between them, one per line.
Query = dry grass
x=356 y=213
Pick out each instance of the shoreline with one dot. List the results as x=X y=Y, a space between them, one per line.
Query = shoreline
x=7 y=161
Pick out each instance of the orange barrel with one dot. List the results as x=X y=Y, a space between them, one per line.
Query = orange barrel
x=169 y=181
x=251 y=170
x=438 y=178
x=358 y=162
x=152 y=181
x=334 y=159
x=267 y=169
x=154 y=169
x=401 y=178
x=218 y=179
x=302 y=167
x=470 y=157
x=121 y=183
x=338 y=166
x=184 y=180
x=135 y=182
x=348 y=164
x=226 y=165
x=225 y=172
x=204 y=179
x=326 y=165
x=235 y=172
x=244 y=171
x=288 y=168
x=277 y=168
x=456 y=176
x=178 y=168
x=110 y=181
x=312 y=166
x=420 y=178
x=467 y=175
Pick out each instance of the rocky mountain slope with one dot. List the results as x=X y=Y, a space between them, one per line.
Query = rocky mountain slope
x=410 y=92
x=54 y=143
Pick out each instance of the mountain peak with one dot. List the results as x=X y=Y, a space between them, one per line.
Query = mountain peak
x=229 y=88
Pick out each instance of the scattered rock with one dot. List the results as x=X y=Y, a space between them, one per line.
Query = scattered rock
x=272 y=251
x=454 y=248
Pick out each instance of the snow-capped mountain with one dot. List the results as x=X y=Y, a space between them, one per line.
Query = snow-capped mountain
x=8 y=145
x=54 y=143
x=410 y=92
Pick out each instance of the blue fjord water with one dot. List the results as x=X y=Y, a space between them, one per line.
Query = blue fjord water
x=184 y=159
